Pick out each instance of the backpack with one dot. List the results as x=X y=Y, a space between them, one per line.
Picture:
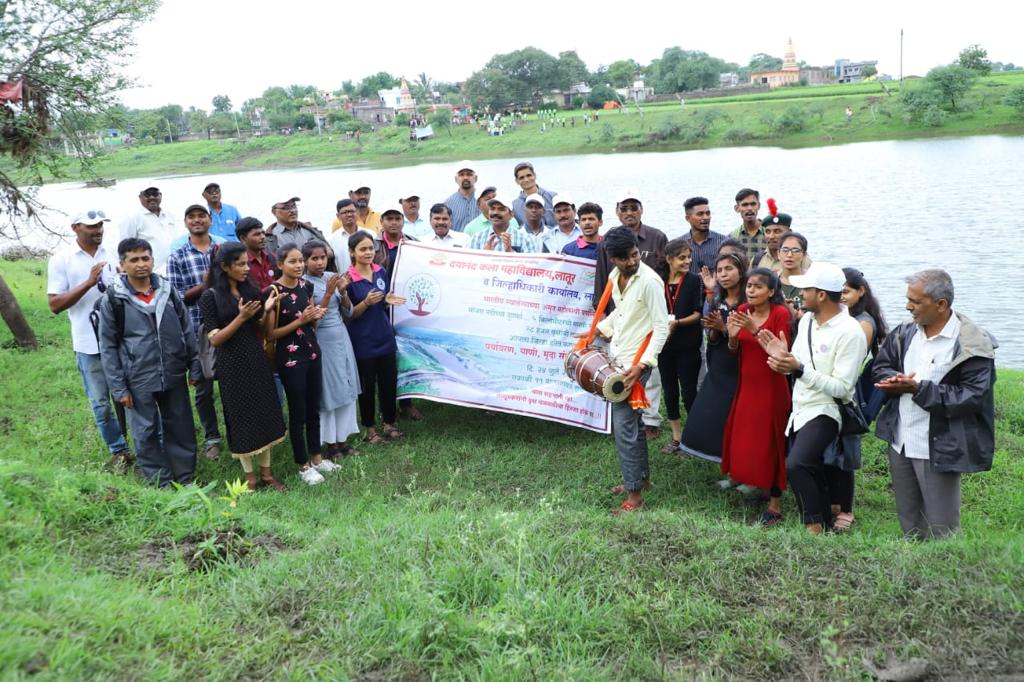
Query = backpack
x=117 y=306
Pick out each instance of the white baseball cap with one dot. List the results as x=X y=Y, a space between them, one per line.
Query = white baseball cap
x=824 y=276
x=464 y=165
x=628 y=194
x=500 y=198
x=534 y=198
x=92 y=217
x=563 y=198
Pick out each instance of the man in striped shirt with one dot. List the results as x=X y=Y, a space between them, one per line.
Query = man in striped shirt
x=463 y=204
x=704 y=241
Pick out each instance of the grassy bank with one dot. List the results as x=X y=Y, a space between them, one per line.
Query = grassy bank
x=761 y=119
x=481 y=547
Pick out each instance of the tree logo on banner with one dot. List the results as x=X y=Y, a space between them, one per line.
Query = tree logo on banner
x=422 y=294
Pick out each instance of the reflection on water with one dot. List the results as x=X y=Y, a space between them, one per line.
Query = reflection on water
x=887 y=208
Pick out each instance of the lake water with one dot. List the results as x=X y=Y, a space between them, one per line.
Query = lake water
x=887 y=208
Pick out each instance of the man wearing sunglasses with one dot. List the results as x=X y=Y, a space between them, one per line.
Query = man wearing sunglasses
x=76 y=274
x=153 y=224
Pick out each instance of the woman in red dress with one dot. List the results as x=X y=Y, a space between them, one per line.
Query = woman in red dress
x=754 y=445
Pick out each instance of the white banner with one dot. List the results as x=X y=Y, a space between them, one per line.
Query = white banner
x=491 y=330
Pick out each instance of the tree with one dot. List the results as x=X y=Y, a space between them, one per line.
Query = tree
x=442 y=118
x=491 y=89
x=199 y=122
x=222 y=104
x=423 y=88
x=621 y=74
x=681 y=70
x=1016 y=99
x=66 y=54
x=571 y=70
x=951 y=82
x=382 y=80
x=764 y=62
x=531 y=71
x=600 y=94
x=975 y=58
x=869 y=71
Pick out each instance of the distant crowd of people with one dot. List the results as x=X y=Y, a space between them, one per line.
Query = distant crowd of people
x=779 y=361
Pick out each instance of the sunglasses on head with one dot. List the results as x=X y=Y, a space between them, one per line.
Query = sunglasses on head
x=93 y=215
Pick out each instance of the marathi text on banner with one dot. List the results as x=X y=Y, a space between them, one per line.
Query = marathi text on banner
x=491 y=330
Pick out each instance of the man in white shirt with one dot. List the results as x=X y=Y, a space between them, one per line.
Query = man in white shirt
x=534 y=230
x=414 y=225
x=939 y=370
x=638 y=323
x=75 y=274
x=441 y=225
x=346 y=218
x=826 y=361
x=154 y=225
x=567 y=229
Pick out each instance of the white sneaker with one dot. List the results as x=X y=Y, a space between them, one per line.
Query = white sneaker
x=326 y=466
x=311 y=476
x=725 y=484
x=745 y=489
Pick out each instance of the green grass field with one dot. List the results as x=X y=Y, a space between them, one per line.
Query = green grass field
x=726 y=121
x=481 y=547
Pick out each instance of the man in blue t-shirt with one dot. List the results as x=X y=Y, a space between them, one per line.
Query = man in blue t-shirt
x=590 y=216
x=223 y=217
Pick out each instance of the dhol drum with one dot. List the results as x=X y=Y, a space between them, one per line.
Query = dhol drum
x=597 y=373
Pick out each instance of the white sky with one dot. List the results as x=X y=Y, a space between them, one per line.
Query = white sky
x=195 y=49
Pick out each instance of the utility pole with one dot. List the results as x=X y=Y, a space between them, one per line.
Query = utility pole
x=901 y=55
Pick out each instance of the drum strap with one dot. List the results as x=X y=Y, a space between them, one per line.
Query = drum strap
x=637 y=395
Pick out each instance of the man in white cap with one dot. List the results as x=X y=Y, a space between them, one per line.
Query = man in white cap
x=415 y=225
x=463 y=203
x=76 y=273
x=567 y=229
x=153 y=224
x=534 y=229
x=500 y=236
x=651 y=242
x=826 y=361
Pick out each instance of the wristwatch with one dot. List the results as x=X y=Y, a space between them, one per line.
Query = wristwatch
x=798 y=372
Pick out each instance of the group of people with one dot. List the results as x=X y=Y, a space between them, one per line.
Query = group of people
x=763 y=348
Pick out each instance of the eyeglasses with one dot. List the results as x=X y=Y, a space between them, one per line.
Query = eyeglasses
x=791 y=250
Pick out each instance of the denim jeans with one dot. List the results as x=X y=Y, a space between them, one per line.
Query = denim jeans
x=96 y=391
x=631 y=444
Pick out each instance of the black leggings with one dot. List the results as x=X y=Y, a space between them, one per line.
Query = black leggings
x=379 y=374
x=303 y=385
x=805 y=467
x=679 y=368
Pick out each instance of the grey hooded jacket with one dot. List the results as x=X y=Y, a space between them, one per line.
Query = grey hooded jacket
x=158 y=347
x=961 y=407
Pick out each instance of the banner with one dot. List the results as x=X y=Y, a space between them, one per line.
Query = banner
x=491 y=330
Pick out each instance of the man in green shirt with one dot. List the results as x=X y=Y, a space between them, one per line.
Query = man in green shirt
x=750 y=233
x=483 y=221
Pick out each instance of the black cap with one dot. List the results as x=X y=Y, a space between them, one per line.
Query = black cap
x=197 y=207
x=150 y=190
x=209 y=185
x=783 y=219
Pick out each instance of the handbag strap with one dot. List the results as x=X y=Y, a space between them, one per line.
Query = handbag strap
x=810 y=347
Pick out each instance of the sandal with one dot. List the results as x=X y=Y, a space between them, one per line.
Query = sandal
x=770 y=518
x=374 y=438
x=843 y=522
x=346 y=450
x=272 y=483
x=620 y=489
x=391 y=431
x=670 y=447
x=627 y=507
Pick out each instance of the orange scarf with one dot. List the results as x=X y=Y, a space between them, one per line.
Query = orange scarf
x=637 y=395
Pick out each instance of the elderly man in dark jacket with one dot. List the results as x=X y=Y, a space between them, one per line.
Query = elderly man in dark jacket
x=939 y=372
x=146 y=348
